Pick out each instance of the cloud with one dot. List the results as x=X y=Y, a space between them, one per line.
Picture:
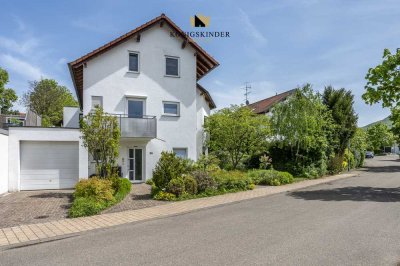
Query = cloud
x=20 y=47
x=251 y=29
x=21 y=67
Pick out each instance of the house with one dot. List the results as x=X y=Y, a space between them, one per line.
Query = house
x=22 y=119
x=148 y=78
x=264 y=106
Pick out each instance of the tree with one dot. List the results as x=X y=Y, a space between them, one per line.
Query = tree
x=340 y=103
x=47 y=98
x=7 y=96
x=237 y=132
x=379 y=136
x=359 y=146
x=101 y=135
x=383 y=85
x=300 y=128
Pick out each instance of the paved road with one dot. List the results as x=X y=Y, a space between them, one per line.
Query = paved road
x=355 y=221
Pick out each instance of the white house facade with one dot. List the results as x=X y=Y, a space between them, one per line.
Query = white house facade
x=148 y=79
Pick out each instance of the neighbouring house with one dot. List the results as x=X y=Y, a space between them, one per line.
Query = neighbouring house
x=264 y=106
x=28 y=119
x=148 y=78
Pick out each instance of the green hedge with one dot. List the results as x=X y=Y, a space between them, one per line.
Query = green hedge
x=270 y=177
x=202 y=184
x=93 y=195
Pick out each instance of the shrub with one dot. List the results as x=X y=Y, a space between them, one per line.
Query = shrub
x=99 y=189
x=232 y=180
x=149 y=182
x=335 y=164
x=204 y=181
x=94 y=195
x=162 y=195
x=190 y=184
x=271 y=177
x=176 y=186
x=208 y=163
x=122 y=187
x=349 y=159
x=169 y=167
x=86 y=206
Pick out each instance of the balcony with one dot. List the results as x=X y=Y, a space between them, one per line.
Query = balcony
x=137 y=127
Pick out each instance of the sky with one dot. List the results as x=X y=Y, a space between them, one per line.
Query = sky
x=274 y=45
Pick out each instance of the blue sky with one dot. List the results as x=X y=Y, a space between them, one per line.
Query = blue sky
x=274 y=45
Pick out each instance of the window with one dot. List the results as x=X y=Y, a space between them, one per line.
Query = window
x=97 y=101
x=172 y=66
x=171 y=108
x=180 y=152
x=133 y=62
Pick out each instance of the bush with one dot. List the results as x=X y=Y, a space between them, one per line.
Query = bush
x=122 y=187
x=335 y=164
x=176 y=186
x=99 y=189
x=232 y=180
x=169 y=167
x=204 y=181
x=94 y=195
x=271 y=177
x=149 y=182
x=208 y=163
x=190 y=184
x=86 y=206
x=162 y=195
x=349 y=159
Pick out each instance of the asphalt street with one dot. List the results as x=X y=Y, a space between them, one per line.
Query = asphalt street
x=353 y=221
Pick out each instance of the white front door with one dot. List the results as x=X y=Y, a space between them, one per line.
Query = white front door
x=135 y=164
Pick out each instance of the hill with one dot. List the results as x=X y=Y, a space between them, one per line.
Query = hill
x=385 y=121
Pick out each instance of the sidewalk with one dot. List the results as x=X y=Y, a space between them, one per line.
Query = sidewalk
x=45 y=231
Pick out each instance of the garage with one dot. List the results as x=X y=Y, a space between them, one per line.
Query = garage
x=48 y=164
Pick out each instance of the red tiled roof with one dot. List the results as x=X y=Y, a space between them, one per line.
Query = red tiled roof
x=263 y=106
x=204 y=62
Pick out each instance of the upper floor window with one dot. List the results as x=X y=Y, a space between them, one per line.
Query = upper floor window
x=133 y=62
x=171 y=108
x=97 y=101
x=172 y=66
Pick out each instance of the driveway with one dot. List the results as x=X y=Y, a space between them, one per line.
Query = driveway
x=27 y=207
x=34 y=206
x=354 y=221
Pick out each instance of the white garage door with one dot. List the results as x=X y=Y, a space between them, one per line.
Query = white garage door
x=49 y=164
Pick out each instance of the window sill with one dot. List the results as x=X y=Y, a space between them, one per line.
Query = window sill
x=170 y=115
x=172 y=76
x=132 y=72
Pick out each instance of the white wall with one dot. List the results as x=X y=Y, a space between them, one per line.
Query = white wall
x=107 y=75
x=3 y=161
x=71 y=117
x=18 y=134
x=203 y=110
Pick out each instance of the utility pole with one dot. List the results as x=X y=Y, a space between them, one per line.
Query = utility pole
x=247 y=91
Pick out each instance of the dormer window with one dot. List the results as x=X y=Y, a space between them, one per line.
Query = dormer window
x=172 y=66
x=133 y=62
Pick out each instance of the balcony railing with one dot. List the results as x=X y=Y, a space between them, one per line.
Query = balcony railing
x=137 y=127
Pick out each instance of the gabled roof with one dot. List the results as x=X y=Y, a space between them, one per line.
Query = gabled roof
x=207 y=96
x=263 y=106
x=204 y=62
